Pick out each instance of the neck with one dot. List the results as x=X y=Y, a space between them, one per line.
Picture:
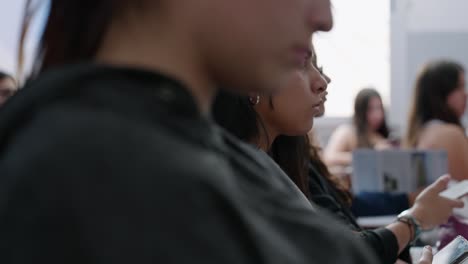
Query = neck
x=165 y=51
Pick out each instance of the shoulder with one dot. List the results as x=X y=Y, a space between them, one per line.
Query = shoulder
x=84 y=142
x=346 y=132
x=438 y=135
x=346 y=129
x=343 y=137
x=444 y=128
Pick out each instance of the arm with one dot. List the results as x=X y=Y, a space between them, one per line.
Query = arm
x=339 y=149
x=430 y=210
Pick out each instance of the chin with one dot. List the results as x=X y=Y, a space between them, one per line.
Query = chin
x=306 y=129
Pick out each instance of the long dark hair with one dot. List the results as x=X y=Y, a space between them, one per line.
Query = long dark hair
x=316 y=161
x=361 y=106
x=237 y=115
x=433 y=85
x=74 y=30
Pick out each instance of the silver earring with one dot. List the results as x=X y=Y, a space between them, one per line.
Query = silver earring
x=254 y=100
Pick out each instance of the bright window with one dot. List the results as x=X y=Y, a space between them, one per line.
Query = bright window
x=356 y=53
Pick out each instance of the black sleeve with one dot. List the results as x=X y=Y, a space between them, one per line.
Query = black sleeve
x=66 y=197
x=331 y=205
x=383 y=242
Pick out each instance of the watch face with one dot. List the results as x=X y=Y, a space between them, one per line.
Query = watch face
x=404 y=213
x=407 y=215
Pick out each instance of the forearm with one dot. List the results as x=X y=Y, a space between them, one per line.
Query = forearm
x=403 y=232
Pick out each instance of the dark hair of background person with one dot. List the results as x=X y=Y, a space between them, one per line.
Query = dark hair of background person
x=361 y=107
x=75 y=29
x=432 y=87
x=237 y=115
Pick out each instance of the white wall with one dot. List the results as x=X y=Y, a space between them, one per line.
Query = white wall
x=355 y=54
x=11 y=16
x=437 y=15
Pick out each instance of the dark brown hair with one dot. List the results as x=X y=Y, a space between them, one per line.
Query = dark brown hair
x=74 y=29
x=361 y=107
x=290 y=153
x=316 y=161
x=433 y=85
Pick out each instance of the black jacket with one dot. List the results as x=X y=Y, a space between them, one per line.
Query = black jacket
x=113 y=165
x=382 y=241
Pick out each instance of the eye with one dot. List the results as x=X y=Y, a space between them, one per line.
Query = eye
x=320 y=70
x=307 y=60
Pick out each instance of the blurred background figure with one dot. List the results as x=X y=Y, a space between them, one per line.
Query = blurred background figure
x=7 y=87
x=369 y=129
x=438 y=105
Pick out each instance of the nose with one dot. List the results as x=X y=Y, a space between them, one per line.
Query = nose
x=319 y=16
x=320 y=85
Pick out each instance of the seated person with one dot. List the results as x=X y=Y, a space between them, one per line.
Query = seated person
x=438 y=103
x=278 y=125
x=364 y=203
x=369 y=130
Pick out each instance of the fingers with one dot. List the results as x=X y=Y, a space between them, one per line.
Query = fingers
x=441 y=184
x=426 y=257
x=457 y=204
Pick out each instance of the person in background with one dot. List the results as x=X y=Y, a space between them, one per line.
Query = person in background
x=363 y=203
x=7 y=87
x=368 y=130
x=278 y=125
x=438 y=104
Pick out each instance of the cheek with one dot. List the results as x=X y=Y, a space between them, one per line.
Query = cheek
x=458 y=101
x=298 y=125
x=292 y=119
x=303 y=120
x=462 y=103
x=375 y=118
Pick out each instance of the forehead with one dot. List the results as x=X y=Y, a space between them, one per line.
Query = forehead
x=375 y=101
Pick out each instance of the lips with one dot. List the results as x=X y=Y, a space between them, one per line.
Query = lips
x=317 y=105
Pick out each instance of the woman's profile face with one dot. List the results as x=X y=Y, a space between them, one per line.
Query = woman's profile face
x=375 y=113
x=456 y=100
x=291 y=110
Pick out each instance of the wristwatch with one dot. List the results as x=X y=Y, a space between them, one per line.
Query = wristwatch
x=407 y=218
